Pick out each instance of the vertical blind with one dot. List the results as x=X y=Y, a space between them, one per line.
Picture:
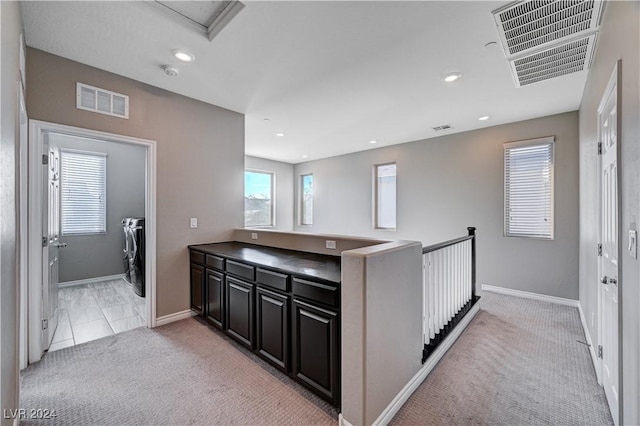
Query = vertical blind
x=83 y=187
x=528 y=188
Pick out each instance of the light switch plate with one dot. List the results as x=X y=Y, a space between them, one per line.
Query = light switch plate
x=330 y=244
x=633 y=243
x=193 y=222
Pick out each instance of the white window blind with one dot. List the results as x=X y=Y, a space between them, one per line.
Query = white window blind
x=83 y=187
x=528 y=188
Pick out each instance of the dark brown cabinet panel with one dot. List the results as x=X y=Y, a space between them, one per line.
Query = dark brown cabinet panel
x=240 y=308
x=214 y=309
x=272 y=327
x=197 y=288
x=316 y=354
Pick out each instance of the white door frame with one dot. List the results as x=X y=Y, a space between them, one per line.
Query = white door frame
x=615 y=79
x=37 y=129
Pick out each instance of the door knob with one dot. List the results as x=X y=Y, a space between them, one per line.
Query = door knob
x=607 y=280
x=61 y=245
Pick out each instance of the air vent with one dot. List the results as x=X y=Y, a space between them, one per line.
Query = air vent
x=567 y=58
x=103 y=101
x=443 y=127
x=544 y=39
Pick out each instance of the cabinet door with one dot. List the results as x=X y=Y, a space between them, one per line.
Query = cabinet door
x=197 y=288
x=239 y=306
x=215 y=298
x=316 y=349
x=272 y=337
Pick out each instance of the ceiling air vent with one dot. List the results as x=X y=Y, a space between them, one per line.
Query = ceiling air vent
x=443 y=127
x=102 y=101
x=543 y=39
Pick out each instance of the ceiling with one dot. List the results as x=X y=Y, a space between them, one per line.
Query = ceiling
x=331 y=75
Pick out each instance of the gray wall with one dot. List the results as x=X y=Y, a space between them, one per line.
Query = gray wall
x=200 y=158
x=448 y=183
x=10 y=29
x=126 y=165
x=619 y=39
x=284 y=188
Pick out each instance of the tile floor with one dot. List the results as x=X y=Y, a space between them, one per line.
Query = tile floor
x=95 y=310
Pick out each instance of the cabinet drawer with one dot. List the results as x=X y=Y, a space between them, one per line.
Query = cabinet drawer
x=241 y=270
x=197 y=257
x=215 y=262
x=318 y=292
x=272 y=279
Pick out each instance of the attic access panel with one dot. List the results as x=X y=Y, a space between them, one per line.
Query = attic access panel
x=208 y=17
x=544 y=39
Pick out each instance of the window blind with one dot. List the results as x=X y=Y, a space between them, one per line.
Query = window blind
x=83 y=187
x=528 y=188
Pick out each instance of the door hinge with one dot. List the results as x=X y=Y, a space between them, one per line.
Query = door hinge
x=599 y=351
x=599 y=249
x=45 y=241
x=599 y=148
x=45 y=159
x=45 y=324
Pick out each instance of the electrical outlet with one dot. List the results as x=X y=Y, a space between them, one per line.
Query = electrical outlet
x=254 y=235
x=330 y=244
x=193 y=222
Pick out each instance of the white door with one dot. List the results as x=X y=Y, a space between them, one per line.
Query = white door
x=608 y=131
x=51 y=243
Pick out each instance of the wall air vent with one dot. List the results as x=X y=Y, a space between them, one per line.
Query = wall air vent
x=544 y=39
x=443 y=127
x=103 y=101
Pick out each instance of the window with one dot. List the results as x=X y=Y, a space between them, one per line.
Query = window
x=385 y=196
x=528 y=188
x=83 y=187
x=258 y=198
x=306 y=199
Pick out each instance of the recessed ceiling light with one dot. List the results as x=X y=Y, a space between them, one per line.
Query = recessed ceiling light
x=304 y=156
x=373 y=141
x=183 y=55
x=484 y=117
x=451 y=77
x=280 y=134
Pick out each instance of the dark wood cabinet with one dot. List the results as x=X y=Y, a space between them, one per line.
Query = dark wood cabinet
x=197 y=288
x=315 y=349
x=272 y=327
x=214 y=309
x=240 y=309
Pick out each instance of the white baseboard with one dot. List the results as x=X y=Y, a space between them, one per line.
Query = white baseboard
x=402 y=397
x=592 y=349
x=90 y=280
x=342 y=421
x=174 y=317
x=529 y=295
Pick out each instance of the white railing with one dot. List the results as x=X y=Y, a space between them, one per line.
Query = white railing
x=449 y=285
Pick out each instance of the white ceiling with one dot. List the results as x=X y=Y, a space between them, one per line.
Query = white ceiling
x=331 y=75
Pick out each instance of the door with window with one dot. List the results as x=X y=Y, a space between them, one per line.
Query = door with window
x=608 y=177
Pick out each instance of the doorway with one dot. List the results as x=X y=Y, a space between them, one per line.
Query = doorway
x=47 y=240
x=609 y=235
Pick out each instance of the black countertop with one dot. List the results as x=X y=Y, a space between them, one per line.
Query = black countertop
x=300 y=263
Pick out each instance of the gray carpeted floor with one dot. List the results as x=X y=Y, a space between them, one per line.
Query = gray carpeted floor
x=518 y=363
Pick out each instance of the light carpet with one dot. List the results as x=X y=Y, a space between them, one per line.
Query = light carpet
x=182 y=373
x=518 y=363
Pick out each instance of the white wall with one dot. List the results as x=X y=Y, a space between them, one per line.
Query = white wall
x=619 y=38
x=126 y=168
x=10 y=29
x=448 y=183
x=284 y=188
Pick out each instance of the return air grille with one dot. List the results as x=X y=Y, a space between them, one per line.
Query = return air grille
x=544 y=39
x=103 y=101
x=562 y=60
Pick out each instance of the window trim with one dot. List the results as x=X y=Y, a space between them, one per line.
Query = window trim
x=376 y=222
x=64 y=151
x=301 y=210
x=273 y=196
x=548 y=140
